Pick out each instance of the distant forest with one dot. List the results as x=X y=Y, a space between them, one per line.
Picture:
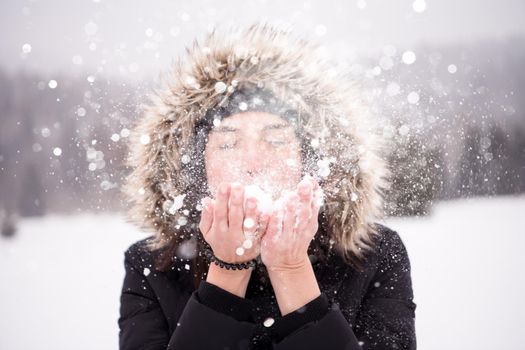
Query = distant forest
x=62 y=149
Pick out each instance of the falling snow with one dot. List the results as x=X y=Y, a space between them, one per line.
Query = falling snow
x=185 y=159
x=239 y=251
x=269 y=322
x=91 y=28
x=444 y=109
x=409 y=57
x=247 y=244
x=26 y=48
x=220 y=87
x=419 y=6
x=57 y=151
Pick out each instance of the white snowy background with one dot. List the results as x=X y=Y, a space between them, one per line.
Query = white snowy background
x=61 y=274
x=61 y=277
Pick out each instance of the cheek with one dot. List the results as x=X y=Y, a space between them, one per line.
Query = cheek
x=217 y=172
x=214 y=174
x=281 y=170
x=287 y=168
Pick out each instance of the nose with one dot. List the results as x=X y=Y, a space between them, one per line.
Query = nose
x=252 y=159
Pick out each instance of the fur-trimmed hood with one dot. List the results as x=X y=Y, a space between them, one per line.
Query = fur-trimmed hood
x=337 y=125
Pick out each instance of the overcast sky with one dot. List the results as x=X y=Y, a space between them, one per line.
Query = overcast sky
x=137 y=39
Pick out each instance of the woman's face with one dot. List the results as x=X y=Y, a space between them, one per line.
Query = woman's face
x=253 y=148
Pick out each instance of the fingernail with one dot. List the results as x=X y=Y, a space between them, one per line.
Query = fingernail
x=251 y=203
x=305 y=189
x=224 y=188
x=236 y=189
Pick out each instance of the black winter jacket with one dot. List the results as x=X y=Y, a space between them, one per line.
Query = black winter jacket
x=372 y=309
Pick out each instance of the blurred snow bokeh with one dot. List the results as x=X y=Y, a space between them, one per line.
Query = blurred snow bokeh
x=65 y=273
x=444 y=74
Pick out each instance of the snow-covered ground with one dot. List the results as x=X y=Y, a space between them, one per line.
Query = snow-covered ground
x=61 y=277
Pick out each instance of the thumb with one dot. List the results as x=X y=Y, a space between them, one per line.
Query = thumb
x=275 y=226
x=206 y=216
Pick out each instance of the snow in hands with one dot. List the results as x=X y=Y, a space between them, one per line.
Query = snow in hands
x=267 y=205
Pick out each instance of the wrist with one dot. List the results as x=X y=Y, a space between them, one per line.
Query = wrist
x=297 y=267
x=295 y=287
x=233 y=281
x=229 y=266
x=291 y=273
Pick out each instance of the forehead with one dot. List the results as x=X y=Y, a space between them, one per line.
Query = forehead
x=256 y=121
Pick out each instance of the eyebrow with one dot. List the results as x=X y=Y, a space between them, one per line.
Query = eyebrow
x=224 y=129
x=266 y=127
x=276 y=126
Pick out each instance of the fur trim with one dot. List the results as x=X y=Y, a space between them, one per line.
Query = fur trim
x=292 y=68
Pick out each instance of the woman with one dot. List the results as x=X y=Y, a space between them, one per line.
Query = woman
x=259 y=108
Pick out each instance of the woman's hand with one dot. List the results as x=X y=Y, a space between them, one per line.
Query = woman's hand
x=222 y=227
x=230 y=230
x=284 y=249
x=284 y=246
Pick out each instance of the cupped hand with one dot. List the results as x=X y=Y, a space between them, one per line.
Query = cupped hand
x=284 y=246
x=233 y=231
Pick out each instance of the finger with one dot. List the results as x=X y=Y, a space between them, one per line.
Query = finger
x=220 y=213
x=317 y=191
x=305 y=187
x=313 y=180
x=206 y=216
x=318 y=195
x=313 y=223
x=250 y=217
x=275 y=225
x=305 y=205
x=289 y=217
x=315 y=183
x=264 y=219
x=236 y=210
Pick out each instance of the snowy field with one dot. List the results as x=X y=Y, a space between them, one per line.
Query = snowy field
x=61 y=278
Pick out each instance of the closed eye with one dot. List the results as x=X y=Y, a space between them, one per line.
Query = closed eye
x=276 y=142
x=227 y=145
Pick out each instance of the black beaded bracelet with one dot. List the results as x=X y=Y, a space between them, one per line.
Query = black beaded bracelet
x=228 y=266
